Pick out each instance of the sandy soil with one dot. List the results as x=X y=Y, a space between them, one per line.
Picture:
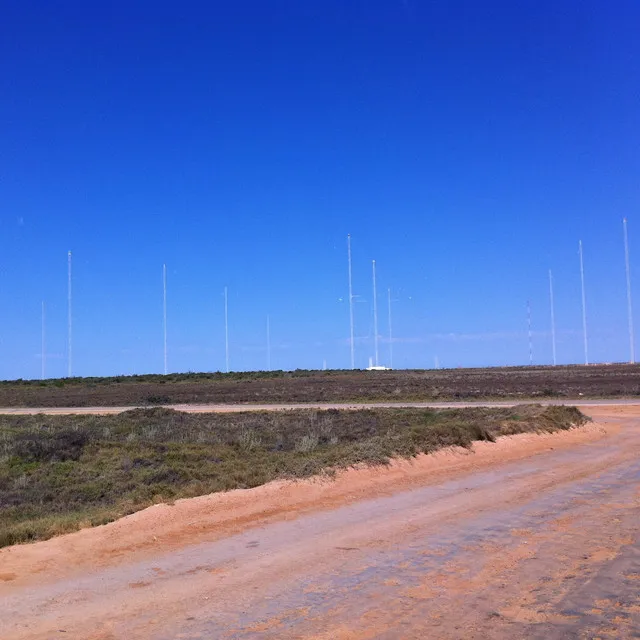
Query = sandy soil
x=210 y=517
x=240 y=408
x=502 y=542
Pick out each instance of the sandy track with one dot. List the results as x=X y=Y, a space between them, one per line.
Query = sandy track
x=529 y=537
x=238 y=408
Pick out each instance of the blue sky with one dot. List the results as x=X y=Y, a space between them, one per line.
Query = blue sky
x=466 y=146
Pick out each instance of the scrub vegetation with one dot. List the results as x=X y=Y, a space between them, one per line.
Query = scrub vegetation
x=60 y=473
x=515 y=383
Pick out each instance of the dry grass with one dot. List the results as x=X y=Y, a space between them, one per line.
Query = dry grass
x=58 y=473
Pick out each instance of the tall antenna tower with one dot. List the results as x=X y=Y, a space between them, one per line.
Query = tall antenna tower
x=584 y=307
x=164 y=313
x=553 y=318
x=375 y=313
x=629 y=305
x=530 y=334
x=390 y=330
x=226 y=327
x=268 y=344
x=43 y=352
x=353 y=351
x=69 y=319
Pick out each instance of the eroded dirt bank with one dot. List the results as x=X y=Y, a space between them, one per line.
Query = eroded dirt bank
x=502 y=542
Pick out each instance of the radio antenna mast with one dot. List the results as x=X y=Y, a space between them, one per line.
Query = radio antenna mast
x=629 y=305
x=43 y=353
x=584 y=307
x=164 y=313
x=530 y=335
x=353 y=353
x=226 y=327
x=390 y=330
x=69 y=319
x=375 y=313
x=553 y=318
x=268 y=344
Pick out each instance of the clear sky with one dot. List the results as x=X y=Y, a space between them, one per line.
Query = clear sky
x=466 y=146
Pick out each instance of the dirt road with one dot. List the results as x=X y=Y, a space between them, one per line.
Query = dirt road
x=531 y=537
x=233 y=408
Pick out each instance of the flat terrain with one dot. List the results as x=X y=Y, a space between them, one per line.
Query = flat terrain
x=517 y=383
x=534 y=536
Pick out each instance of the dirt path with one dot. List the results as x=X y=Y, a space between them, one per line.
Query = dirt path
x=239 y=408
x=534 y=537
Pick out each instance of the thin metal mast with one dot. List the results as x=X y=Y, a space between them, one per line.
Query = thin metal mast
x=43 y=352
x=584 y=308
x=268 y=344
x=353 y=352
x=164 y=313
x=629 y=305
x=69 y=319
x=375 y=313
x=553 y=318
x=226 y=327
x=390 y=330
x=530 y=335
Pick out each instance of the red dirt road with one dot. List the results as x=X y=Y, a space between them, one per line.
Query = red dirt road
x=531 y=537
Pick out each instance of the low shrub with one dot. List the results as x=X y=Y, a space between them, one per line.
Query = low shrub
x=65 y=472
